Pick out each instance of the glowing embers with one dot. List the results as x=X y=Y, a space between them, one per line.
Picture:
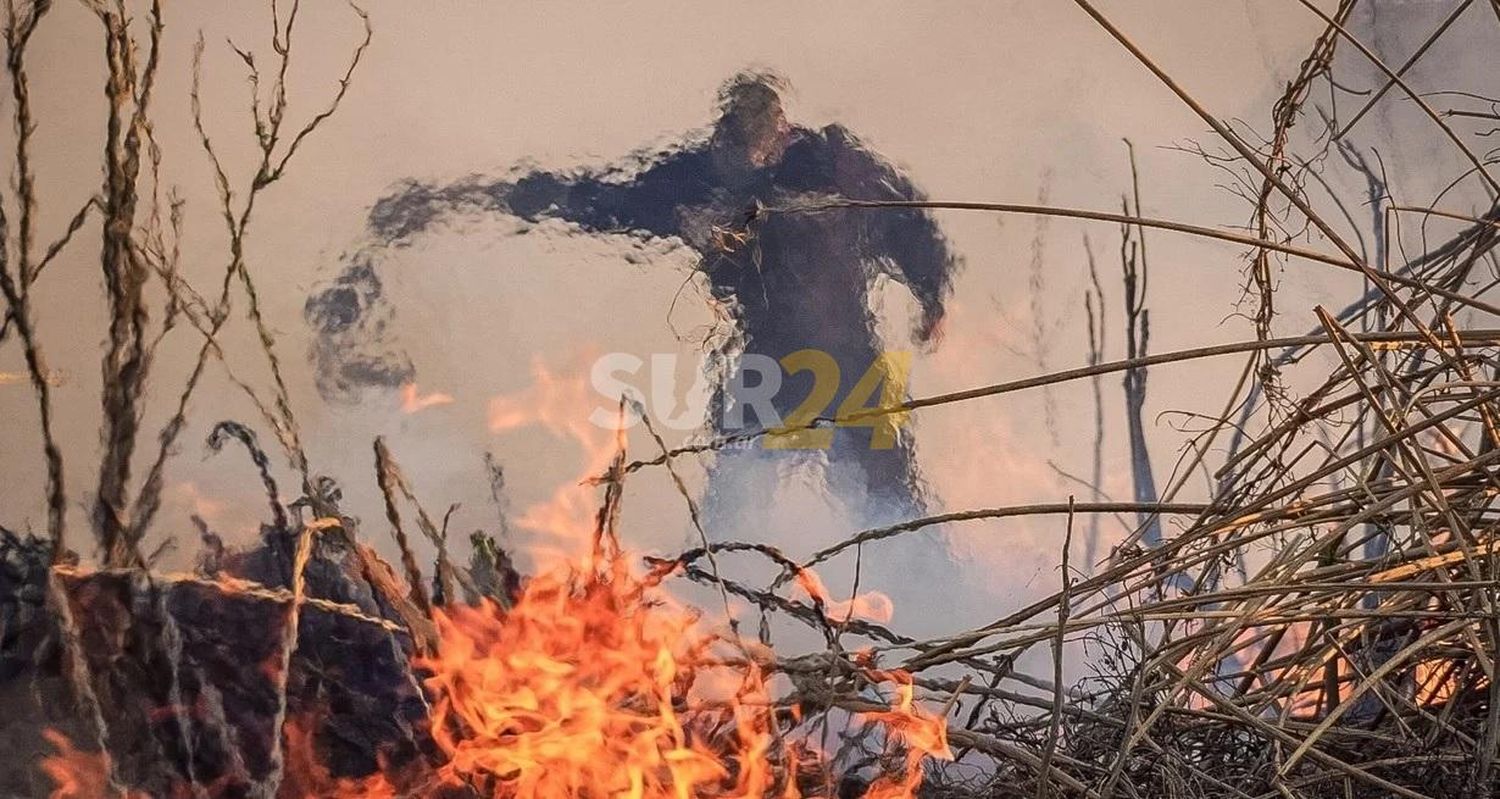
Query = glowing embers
x=76 y=774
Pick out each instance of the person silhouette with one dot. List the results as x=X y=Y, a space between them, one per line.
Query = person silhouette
x=790 y=281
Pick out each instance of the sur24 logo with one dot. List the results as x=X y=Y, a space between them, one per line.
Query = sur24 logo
x=756 y=384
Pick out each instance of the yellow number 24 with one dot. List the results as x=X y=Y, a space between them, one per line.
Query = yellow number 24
x=887 y=375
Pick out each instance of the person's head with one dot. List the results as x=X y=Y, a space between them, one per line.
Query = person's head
x=752 y=126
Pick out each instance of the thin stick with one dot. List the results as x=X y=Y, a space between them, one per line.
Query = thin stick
x=1055 y=728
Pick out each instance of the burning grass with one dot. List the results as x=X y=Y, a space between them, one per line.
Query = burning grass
x=589 y=682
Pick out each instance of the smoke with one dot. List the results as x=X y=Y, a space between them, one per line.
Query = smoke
x=795 y=288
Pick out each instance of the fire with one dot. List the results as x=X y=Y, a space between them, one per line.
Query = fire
x=921 y=735
x=306 y=777
x=595 y=682
x=76 y=774
x=590 y=686
x=413 y=401
x=1438 y=681
x=871 y=605
x=560 y=403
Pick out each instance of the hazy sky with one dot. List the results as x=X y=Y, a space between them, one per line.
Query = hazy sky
x=1013 y=101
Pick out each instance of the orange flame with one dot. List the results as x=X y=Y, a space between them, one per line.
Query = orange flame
x=413 y=401
x=77 y=774
x=596 y=683
x=306 y=777
x=871 y=605
x=560 y=404
x=922 y=735
x=1438 y=681
x=588 y=687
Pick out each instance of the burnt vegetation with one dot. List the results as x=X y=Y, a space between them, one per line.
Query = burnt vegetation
x=1323 y=623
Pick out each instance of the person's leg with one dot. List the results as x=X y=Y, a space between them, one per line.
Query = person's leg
x=891 y=485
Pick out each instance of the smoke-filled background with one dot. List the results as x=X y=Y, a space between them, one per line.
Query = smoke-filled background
x=1005 y=101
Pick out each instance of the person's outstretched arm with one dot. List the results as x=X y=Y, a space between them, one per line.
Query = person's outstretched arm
x=603 y=201
x=907 y=238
